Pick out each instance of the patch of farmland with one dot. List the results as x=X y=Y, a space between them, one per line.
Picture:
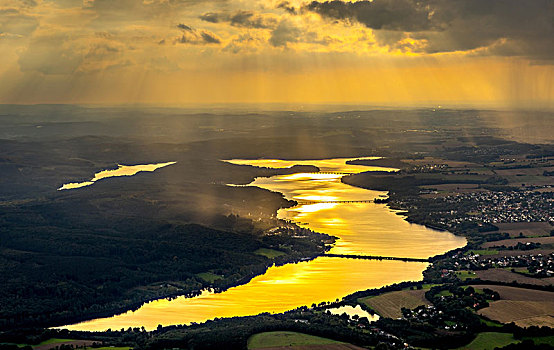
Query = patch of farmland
x=297 y=341
x=490 y=340
x=391 y=303
x=515 y=241
x=499 y=254
x=525 y=307
x=502 y=275
x=527 y=228
x=344 y=346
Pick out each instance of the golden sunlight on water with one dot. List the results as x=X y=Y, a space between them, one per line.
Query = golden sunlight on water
x=324 y=165
x=122 y=170
x=279 y=289
x=352 y=311
x=363 y=228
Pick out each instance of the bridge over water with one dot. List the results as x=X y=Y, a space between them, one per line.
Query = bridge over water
x=317 y=202
x=330 y=172
x=375 y=257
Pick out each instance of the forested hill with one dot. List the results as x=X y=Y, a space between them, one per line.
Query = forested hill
x=56 y=267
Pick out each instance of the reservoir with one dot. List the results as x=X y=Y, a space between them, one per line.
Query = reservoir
x=122 y=170
x=363 y=228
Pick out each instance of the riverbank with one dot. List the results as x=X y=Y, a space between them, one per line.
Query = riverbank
x=344 y=274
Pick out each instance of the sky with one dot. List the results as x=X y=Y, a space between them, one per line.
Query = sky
x=176 y=52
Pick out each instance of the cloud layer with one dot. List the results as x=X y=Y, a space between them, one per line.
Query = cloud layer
x=496 y=27
x=64 y=44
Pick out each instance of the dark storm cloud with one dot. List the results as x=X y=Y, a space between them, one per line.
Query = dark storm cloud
x=212 y=17
x=241 y=18
x=285 y=5
x=184 y=27
x=286 y=32
x=406 y=15
x=195 y=37
x=210 y=38
x=499 y=27
x=29 y=3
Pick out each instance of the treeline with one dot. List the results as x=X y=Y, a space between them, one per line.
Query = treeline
x=57 y=267
x=407 y=184
x=382 y=162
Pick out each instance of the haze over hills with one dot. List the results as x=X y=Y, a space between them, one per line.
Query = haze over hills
x=276 y=174
x=99 y=250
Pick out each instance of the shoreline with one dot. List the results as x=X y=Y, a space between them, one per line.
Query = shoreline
x=246 y=279
x=190 y=294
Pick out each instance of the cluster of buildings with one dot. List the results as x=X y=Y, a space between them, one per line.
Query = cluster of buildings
x=431 y=315
x=423 y=313
x=498 y=207
x=427 y=168
x=534 y=265
x=537 y=265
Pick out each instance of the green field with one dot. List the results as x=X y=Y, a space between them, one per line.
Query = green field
x=427 y=286
x=274 y=339
x=268 y=253
x=490 y=323
x=464 y=274
x=445 y=293
x=390 y=304
x=55 y=341
x=483 y=251
x=490 y=340
x=542 y=340
x=209 y=277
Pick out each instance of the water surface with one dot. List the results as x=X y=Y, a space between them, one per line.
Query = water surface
x=352 y=311
x=122 y=170
x=279 y=289
x=362 y=228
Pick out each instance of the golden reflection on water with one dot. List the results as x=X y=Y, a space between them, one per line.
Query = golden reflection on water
x=281 y=288
x=122 y=170
x=363 y=228
x=324 y=165
x=352 y=311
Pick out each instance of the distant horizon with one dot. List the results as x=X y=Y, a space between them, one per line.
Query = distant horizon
x=298 y=106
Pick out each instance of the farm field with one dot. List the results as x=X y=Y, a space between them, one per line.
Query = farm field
x=502 y=275
x=483 y=251
x=537 y=171
x=527 y=228
x=502 y=253
x=449 y=162
x=489 y=341
x=208 y=276
x=549 y=340
x=518 y=252
x=294 y=340
x=452 y=189
x=390 y=304
x=515 y=241
x=268 y=253
x=525 y=307
x=528 y=180
x=465 y=274
x=343 y=346
x=56 y=342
